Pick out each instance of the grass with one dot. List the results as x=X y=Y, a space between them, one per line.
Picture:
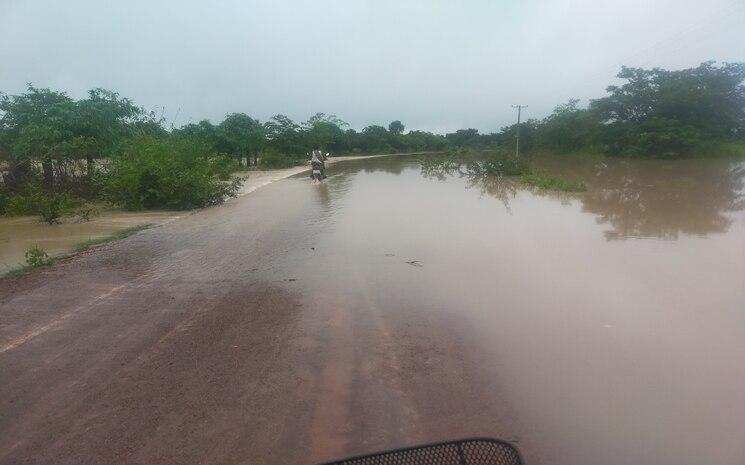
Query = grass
x=25 y=268
x=118 y=235
x=80 y=247
x=554 y=183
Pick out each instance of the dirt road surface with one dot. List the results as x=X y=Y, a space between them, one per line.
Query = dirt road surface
x=233 y=335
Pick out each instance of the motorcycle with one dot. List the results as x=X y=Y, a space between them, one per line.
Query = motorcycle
x=476 y=451
x=318 y=169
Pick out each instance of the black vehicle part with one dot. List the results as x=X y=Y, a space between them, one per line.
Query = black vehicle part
x=475 y=451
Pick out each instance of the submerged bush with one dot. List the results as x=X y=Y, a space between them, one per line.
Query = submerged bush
x=18 y=205
x=49 y=206
x=170 y=173
x=498 y=163
x=52 y=207
x=86 y=213
x=36 y=256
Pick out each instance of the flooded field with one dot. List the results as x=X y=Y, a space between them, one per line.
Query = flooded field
x=18 y=234
x=612 y=322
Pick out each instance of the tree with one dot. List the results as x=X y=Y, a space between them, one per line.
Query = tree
x=396 y=127
x=375 y=138
x=508 y=135
x=100 y=121
x=284 y=135
x=324 y=131
x=205 y=133
x=33 y=126
x=568 y=128
x=242 y=136
x=658 y=112
x=51 y=129
x=462 y=136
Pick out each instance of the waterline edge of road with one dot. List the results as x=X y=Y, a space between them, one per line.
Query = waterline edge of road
x=10 y=264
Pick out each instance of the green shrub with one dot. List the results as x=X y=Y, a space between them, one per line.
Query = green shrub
x=49 y=206
x=87 y=213
x=172 y=173
x=19 y=205
x=53 y=206
x=36 y=256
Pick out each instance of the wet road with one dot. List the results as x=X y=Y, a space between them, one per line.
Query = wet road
x=383 y=308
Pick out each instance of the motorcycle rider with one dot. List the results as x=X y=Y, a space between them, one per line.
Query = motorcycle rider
x=317 y=157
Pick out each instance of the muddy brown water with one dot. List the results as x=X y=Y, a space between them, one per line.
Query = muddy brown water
x=612 y=322
x=384 y=308
x=18 y=234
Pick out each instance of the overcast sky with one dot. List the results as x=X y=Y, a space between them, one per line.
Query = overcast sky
x=435 y=65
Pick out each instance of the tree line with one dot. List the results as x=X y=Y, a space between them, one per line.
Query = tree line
x=105 y=147
x=56 y=150
x=653 y=113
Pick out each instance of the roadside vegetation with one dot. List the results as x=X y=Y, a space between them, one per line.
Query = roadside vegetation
x=121 y=234
x=61 y=156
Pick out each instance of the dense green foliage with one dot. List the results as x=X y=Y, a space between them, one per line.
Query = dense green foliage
x=56 y=150
x=49 y=206
x=653 y=113
x=171 y=173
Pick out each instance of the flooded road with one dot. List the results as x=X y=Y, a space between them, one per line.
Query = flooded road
x=614 y=321
x=392 y=305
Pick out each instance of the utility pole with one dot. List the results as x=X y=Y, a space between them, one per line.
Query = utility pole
x=517 y=143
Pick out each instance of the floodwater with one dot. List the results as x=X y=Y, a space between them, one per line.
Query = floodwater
x=18 y=234
x=611 y=323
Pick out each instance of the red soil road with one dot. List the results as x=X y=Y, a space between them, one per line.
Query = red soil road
x=220 y=339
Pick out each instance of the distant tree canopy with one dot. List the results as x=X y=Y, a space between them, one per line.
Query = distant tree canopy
x=655 y=113
x=658 y=111
x=396 y=127
x=59 y=143
x=51 y=129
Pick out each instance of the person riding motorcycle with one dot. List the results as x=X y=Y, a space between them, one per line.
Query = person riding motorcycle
x=317 y=158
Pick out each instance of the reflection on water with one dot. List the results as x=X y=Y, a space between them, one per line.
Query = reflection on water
x=665 y=199
x=636 y=198
x=605 y=351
